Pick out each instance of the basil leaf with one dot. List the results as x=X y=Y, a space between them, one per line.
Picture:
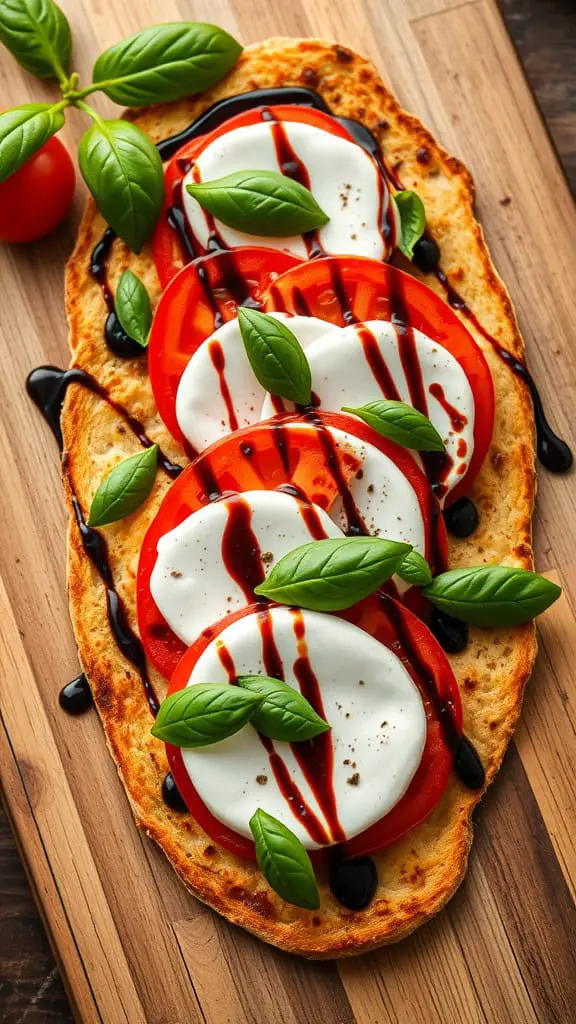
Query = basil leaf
x=285 y=714
x=401 y=423
x=412 y=220
x=38 y=35
x=284 y=862
x=492 y=595
x=203 y=714
x=165 y=62
x=123 y=171
x=260 y=203
x=125 y=488
x=276 y=356
x=328 y=575
x=23 y=130
x=415 y=570
x=132 y=304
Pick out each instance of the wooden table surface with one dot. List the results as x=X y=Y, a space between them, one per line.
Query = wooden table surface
x=31 y=990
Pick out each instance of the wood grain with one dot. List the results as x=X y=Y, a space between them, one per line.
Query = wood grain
x=134 y=946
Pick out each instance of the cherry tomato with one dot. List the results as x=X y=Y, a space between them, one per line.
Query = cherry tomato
x=168 y=255
x=342 y=289
x=203 y=295
x=398 y=629
x=37 y=197
x=275 y=459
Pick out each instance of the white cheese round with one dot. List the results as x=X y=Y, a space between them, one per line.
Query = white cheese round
x=190 y=582
x=373 y=706
x=343 y=179
x=341 y=376
x=202 y=411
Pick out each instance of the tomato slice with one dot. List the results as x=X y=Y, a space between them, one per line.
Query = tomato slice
x=263 y=457
x=402 y=632
x=202 y=297
x=169 y=256
x=344 y=290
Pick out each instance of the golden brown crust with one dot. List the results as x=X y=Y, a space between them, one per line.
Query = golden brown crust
x=420 y=873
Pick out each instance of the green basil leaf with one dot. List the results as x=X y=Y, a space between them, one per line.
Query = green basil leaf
x=328 y=575
x=125 y=488
x=401 y=423
x=492 y=595
x=203 y=714
x=412 y=220
x=285 y=714
x=23 y=130
x=123 y=171
x=38 y=35
x=260 y=203
x=133 y=309
x=415 y=570
x=284 y=862
x=165 y=62
x=276 y=356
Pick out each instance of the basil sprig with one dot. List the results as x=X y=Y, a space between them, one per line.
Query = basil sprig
x=401 y=423
x=38 y=35
x=204 y=714
x=125 y=488
x=285 y=714
x=260 y=203
x=414 y=569
x=164 y=62
x=123 y=171
x=332 y=574
x=492 y=595
x=23 y=130
x=118 y=161
x=133 y=309
x=412 y=220
x=276 y=356
x=284 y=862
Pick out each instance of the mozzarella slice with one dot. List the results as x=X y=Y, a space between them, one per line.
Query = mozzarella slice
x=218 y=391
x=191 y=581
x=374 y=708
x=342 y=376
x=343 y=178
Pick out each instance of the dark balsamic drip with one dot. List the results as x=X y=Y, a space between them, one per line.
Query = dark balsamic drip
x=217 y=317
x=461 y=518
x=438 y=553
x=457 y=420
x=364 y=138
x=292 y=167
x=120 y=343
x=241 y=553
x=214 y=242
x=216 y=354
x=47 y=387
x=286 y=784
x=270 y=653
x=467 y=764
x=353 y=882
x=316 y=756
x=308 y=511
x=210 y=485
x=96 y=549
x=400 y=317
x=377 y=363
x=299 y=304
x=553 y=452
x=346 y=310
x=451 y=633
x=176 y=219
x=171 y=795
x=356 y=526
x=280 y=438
x=76 y=697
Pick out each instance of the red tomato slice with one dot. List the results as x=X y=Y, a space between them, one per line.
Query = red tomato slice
x=167 y=248
x=272 y=461
x=344 y=289
x=398 y=629
x=204 y=295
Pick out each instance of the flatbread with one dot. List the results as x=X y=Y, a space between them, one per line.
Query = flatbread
x=418 y=874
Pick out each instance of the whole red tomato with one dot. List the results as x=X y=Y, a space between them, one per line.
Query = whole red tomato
x=38 y=196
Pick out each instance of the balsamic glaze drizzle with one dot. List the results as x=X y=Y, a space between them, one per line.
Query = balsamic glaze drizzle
x=353 y=882
x=171 y=795
x=120 y=343
x=76 y=697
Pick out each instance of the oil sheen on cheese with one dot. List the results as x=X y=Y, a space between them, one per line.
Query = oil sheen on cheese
x=348 y=778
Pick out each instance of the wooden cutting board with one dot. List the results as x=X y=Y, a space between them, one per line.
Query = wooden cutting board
x=133 y=946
